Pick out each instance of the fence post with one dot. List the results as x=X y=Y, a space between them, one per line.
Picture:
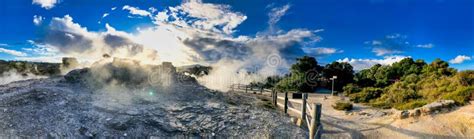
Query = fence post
x=303 y=107
x=246 y=89
x=275 y=97
x=315 y=120
x=261 y=90
x=286 y=103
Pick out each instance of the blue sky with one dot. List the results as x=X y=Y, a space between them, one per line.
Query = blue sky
x=361 y=32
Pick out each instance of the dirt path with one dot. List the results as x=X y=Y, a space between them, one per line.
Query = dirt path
x=367 y=122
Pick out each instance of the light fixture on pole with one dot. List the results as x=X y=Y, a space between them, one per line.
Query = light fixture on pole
x=332 y=90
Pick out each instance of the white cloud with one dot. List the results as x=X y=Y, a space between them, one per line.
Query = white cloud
x=41 y=49
x=322 y=50
x=275 y=14
x=206 y=17
x=429 y=45
x=12 y=52
x=192 y=32
x=46 y=4
x=113 y=8
x=71 y=39
x=136 y=11
x=105 y=15
x=152 y=9
x=389 y=45
x=37 y=19
x=460 y=59
x=360 y=64
x=384 y=51
x=376 y=42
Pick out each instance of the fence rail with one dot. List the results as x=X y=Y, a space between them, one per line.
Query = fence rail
x=313 y=121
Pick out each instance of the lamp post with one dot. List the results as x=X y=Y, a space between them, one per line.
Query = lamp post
x=332 y=90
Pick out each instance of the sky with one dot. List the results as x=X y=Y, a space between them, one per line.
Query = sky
x=362 y=32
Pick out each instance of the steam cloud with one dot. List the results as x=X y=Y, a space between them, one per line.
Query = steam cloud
x=13 y=75
x=193 y=32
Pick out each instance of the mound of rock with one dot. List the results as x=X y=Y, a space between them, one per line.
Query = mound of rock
x=432 y=108
x=123 y=99
x=438 y=106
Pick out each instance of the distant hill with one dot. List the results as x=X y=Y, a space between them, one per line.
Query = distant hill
x=36 y=68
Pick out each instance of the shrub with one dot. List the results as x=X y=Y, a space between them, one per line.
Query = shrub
x=350 y=89
x=366 y=95
x=411 y=105
x=381 y=104
x=346 y=106
x=460 y=96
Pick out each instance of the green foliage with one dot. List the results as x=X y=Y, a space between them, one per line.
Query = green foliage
x=345 y=106
x=367 y=94
x=411 y=105
x=409 y=84
x=298 y=79
x=439 y=67
x=350 y=89
x=343 y=71
x=466 y=77
x=305 y=64
x=460 y=96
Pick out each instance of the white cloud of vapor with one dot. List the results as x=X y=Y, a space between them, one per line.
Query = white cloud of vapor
x=322 y=50
x=37 y=20
x=193 y=32
x=136 y=11
x=12 y=76
x=12 y=52
x=46 y=4
x=460 y=59
x=429 y=45
x=275 y=15
x=360 y=64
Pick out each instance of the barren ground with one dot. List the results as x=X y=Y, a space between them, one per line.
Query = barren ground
x=55 y=108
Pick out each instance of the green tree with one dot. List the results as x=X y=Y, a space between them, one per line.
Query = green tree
x=304 y=74
x=343 y=71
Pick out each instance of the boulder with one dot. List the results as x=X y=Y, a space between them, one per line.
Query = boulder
x=77 y=75
x=438 y=106
x=404 y=114
x=415 y=113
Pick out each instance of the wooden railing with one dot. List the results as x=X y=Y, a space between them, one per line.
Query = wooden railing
x=313 y=121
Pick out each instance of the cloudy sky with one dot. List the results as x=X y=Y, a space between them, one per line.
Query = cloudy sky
x=362 y=32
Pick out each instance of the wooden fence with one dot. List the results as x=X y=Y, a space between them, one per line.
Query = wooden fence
x=313 y=120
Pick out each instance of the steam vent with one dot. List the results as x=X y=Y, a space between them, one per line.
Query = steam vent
x=124 y=98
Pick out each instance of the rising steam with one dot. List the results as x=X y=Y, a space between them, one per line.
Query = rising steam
x=190 y=33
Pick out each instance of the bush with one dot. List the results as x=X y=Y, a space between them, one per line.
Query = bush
x=351 y=89
x=346 y=106
x=460 y=96
x=366 y=95
x=381 y=104
x=411 y=105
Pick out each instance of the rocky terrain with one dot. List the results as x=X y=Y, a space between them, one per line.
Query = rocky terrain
x=117 y=99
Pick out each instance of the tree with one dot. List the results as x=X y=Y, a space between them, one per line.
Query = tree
x=343 y=71
x=440 y=68
x=305 y=73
